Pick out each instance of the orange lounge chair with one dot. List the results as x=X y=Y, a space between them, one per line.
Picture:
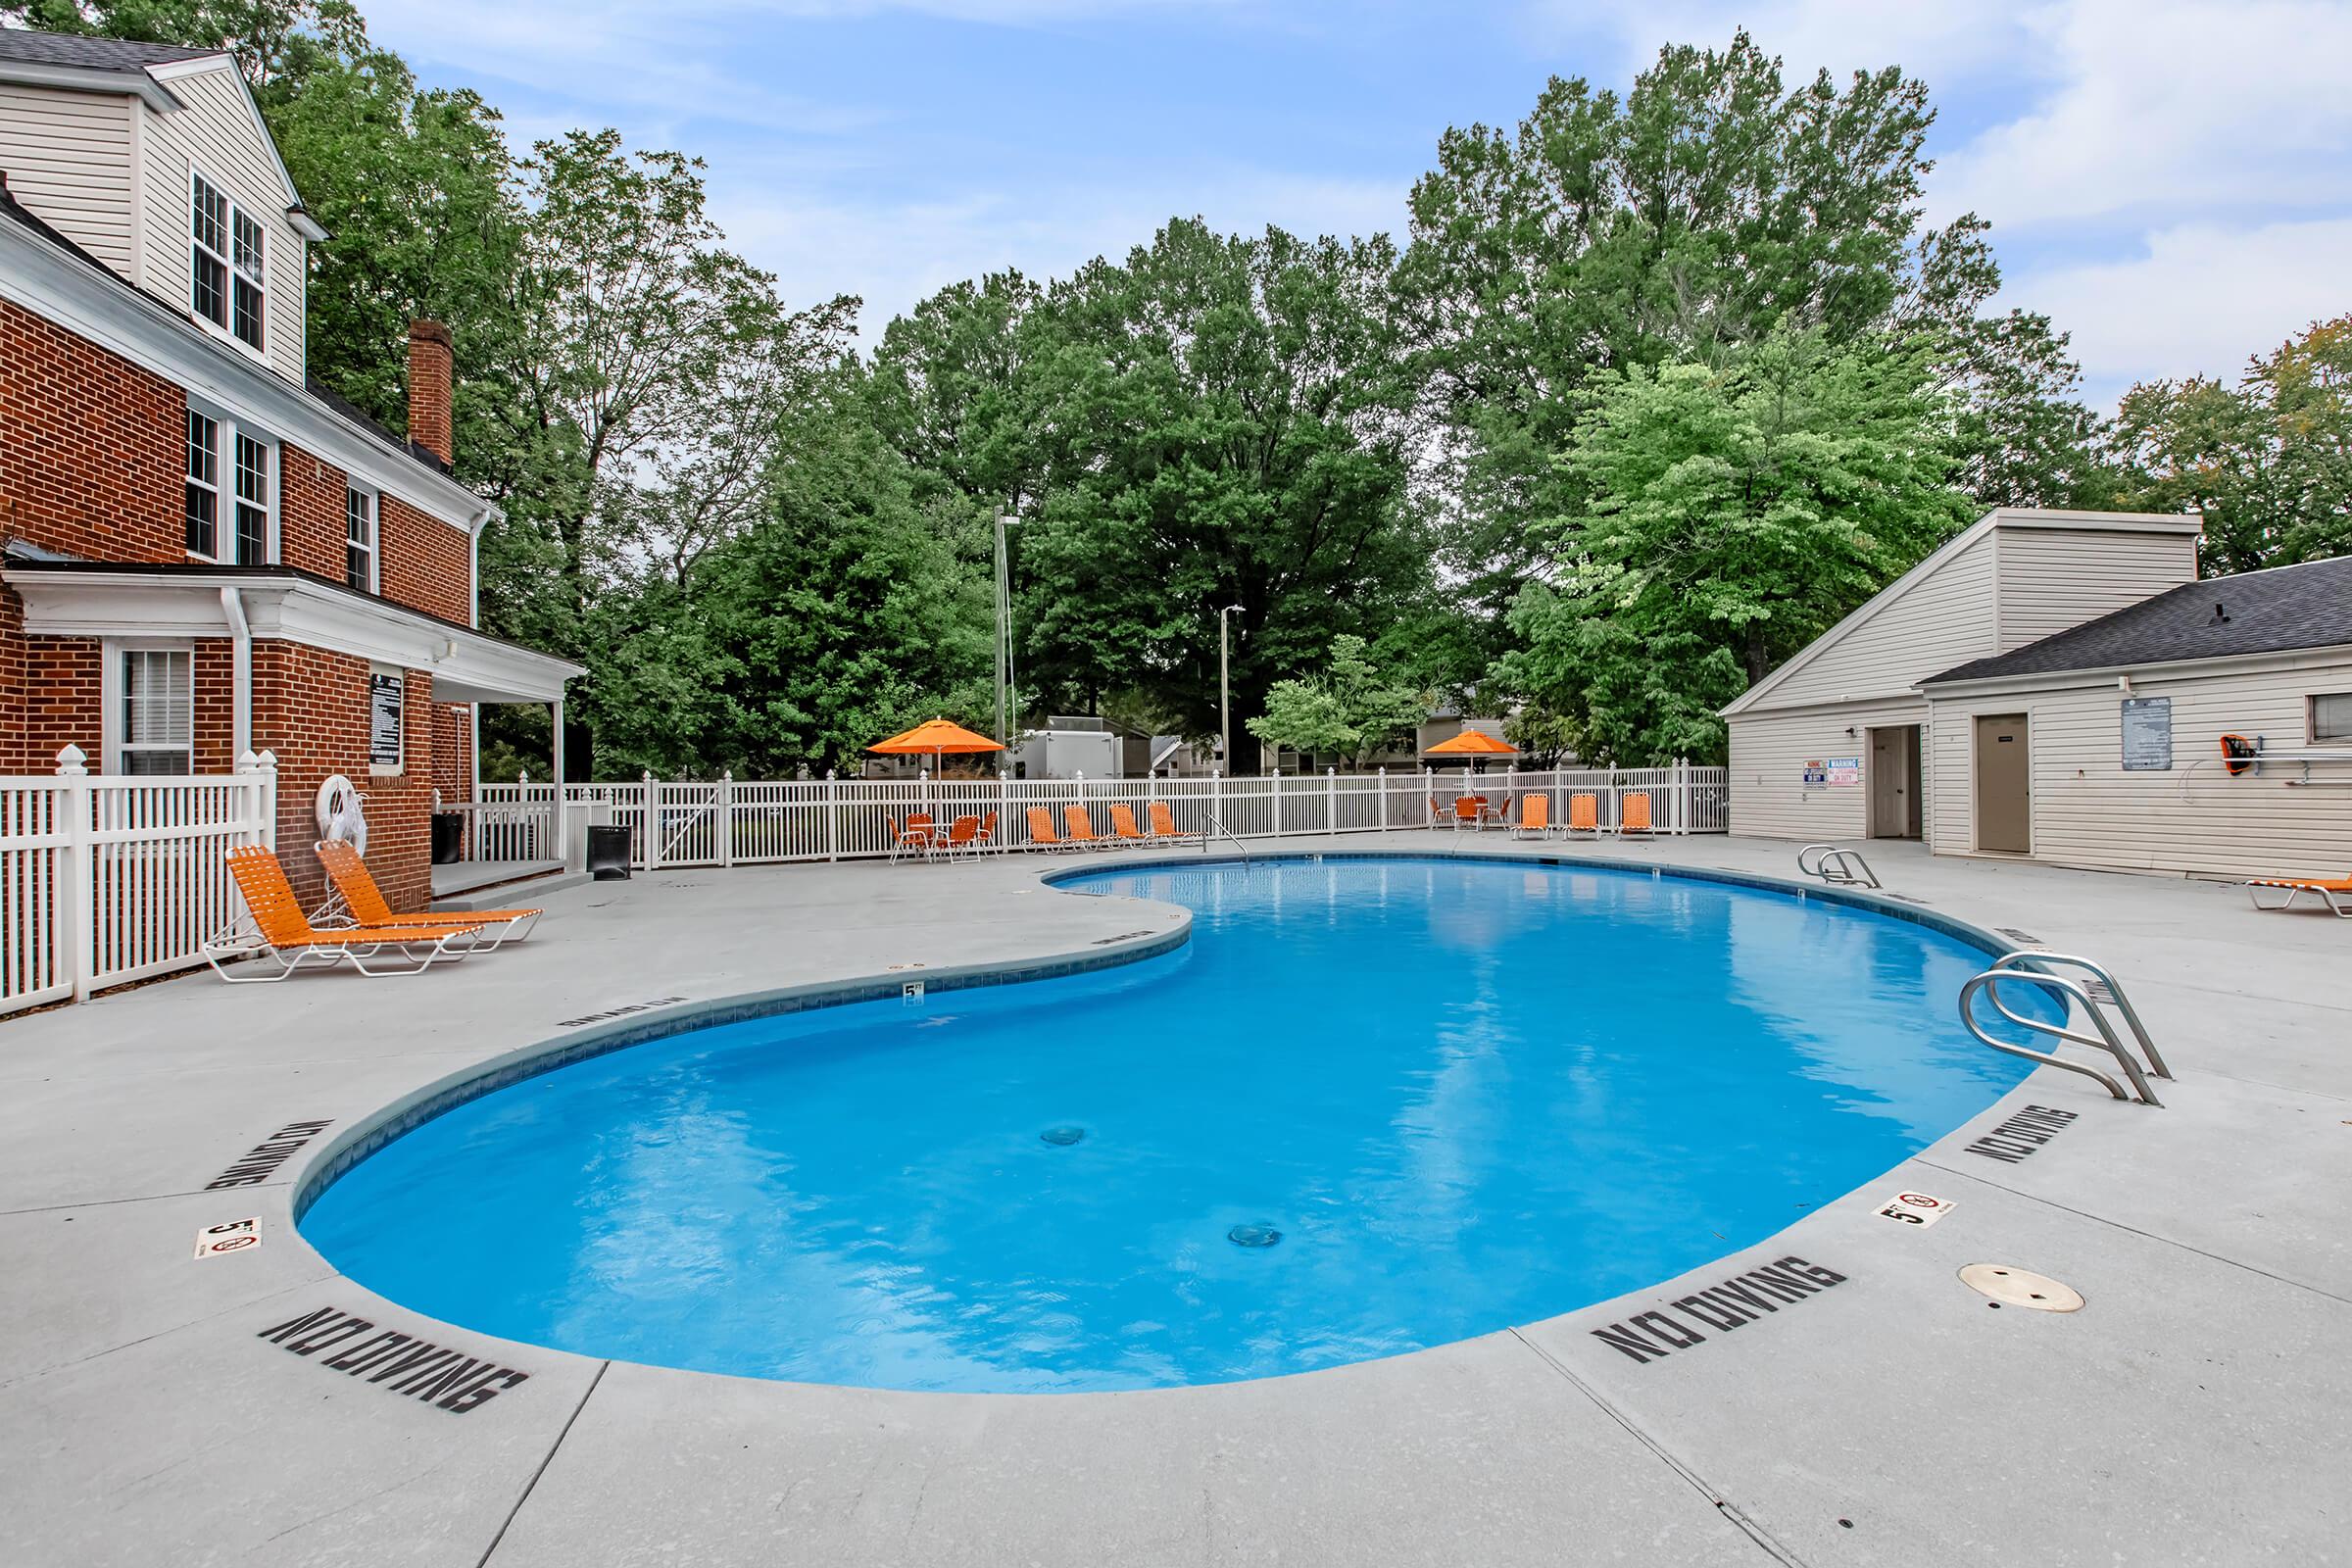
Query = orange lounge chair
x=1082 y=828
x=1041 y=832
x=1535 y=816
x=274 y=927
x=1163 y=823
x=1584 y=814
x=1633 y=814
x=2332 y=893
x=1122 y=825
x=357 y=901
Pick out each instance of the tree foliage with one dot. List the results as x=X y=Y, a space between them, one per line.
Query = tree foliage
x=1352 y=710
x=2268 y=461
x=1735 y=514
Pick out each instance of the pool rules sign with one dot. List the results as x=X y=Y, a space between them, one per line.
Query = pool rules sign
x=387 y=700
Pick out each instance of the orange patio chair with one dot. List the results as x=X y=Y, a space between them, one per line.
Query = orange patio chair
x=2334 y=893
x=1633 y=814
x=1437 y=813
x=357 y=901
x=1535 y=816
x=962 y=836
x=273 y=928
x=1122 y=825
x=1584 y=813
x=1082 y=828
x=1163 y=823
x=919 y=836
x=1468 y=809
x=1041 y=832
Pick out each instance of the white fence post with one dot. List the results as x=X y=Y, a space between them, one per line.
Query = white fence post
x=832 y=814
x=1216 y=797
x=76 y=876
x=267 y=762
x=653 y=822
x=1331 y=800
x=726 y=817
x=1274 y=788
x=1004 y=833
x=1384 y=798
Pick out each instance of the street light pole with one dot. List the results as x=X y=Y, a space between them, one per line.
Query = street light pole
x=1005 y=676
x=1225 y=689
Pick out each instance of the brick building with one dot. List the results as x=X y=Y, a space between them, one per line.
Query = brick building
x=201 y=553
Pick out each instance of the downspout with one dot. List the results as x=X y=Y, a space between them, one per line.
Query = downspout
x=240 y=681
x=473 y=619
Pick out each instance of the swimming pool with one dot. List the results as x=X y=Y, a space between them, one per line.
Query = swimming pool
x=1375 y=1104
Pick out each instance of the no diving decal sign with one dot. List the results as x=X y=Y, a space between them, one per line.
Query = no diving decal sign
x=1737 y=1303
x=1914 y=1208
x=397 y=1363
x=264 y=1158
x=235 y=1235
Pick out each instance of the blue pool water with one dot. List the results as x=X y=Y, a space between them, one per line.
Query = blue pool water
x=1463 y=1097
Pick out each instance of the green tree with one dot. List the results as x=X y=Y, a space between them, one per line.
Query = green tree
x=277 y=42
x=1220 y=425
x=1350 y=710
x=2268 y=461
x=1708 y=208
x=1735 y=515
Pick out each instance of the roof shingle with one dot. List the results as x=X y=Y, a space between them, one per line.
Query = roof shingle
x=92 y=54
x=2283 y=607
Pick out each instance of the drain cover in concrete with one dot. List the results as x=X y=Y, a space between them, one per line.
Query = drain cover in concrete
x=2018 y=1287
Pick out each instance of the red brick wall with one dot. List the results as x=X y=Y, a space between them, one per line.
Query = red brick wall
x=427 y=565
x=311 y=525
x=93 y=450
x=51 y=696
x=311 y=708
x=453 y=751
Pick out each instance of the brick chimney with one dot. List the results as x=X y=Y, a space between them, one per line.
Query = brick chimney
x=430 y=366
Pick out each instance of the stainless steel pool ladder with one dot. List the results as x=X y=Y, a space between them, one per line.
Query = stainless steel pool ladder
x=2030 y=967
x=1843 y=867
x=1217 y=828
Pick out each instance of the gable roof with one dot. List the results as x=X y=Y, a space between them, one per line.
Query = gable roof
x=92 y=54
x=2273 y=610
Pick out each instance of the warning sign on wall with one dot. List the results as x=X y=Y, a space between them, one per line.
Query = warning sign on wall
x=1846 y=772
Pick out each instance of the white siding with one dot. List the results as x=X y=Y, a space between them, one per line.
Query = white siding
x=1944 y=619
x=2051 y=579
x=67 y=155
x=1769 y=751
x=216 y=133
x=2089 y=811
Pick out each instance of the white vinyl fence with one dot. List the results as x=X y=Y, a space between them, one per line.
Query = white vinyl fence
x=730 y=823
x=107 y=879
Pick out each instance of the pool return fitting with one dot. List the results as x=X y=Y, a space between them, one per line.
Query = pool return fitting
x=2031 y=966
x=1835 y=866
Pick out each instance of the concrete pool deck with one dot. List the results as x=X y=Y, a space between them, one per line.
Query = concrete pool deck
x=2197 y=1410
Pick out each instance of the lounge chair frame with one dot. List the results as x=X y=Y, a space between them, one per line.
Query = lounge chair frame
x=2335 y=896
x=355 y=900
x=296 y=944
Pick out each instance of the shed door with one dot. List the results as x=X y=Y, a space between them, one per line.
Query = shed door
x=2004 y=785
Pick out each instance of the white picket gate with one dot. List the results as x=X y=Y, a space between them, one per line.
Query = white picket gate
x=107 y=879
x=728 y=821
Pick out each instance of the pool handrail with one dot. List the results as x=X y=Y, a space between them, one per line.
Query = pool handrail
x=1989 y=982
x=1839 y=867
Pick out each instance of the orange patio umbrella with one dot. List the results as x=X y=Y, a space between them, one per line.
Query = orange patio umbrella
x=939 y=737
x=1472 y=743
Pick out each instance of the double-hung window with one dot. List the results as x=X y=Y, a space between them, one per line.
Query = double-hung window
x=155 y=711
x=232 y=482
x=204 y=484
x=2332 y=718
x=227 y=255
x=359 y=549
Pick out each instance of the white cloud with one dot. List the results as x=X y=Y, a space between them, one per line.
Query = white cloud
x=896 y=255
x=1937 y=42
x=2196 y=300
x=2173 y=106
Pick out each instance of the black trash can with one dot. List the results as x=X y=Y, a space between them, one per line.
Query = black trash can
x=449 y=837
x=608 y=854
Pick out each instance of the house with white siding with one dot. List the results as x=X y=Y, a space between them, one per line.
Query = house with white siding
x=2055 y=685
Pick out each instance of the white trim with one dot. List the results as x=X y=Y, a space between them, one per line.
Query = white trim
x=465 y=665
x=1993 y=521
x=96 y=306
x=139 y=84
x=177 y=69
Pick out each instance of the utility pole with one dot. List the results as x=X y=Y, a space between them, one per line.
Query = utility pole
x=1005 y=676
x=1225 y=689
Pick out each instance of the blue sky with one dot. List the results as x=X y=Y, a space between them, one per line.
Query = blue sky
x=2171 y=179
